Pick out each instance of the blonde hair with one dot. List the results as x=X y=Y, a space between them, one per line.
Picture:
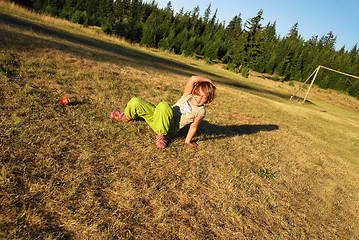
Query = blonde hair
x=206 y=88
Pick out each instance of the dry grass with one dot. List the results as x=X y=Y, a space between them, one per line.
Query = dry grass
x=266 y=168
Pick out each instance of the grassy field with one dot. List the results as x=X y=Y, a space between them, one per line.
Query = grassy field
x=265 y=168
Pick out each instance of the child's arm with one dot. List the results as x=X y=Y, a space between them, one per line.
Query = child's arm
x=192 y=81
x=192 y=131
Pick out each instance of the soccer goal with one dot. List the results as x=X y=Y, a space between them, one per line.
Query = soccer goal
x=315 y=73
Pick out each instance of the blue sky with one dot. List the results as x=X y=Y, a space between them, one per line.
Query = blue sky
x=314 y=17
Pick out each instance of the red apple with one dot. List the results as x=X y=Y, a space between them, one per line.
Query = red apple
x=65 y=101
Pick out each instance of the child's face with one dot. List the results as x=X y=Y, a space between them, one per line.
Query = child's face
x=199 y=99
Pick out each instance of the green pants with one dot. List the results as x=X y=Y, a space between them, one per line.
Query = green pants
x=160 y=117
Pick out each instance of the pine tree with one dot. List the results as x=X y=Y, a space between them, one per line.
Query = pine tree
x=253 y=41
x=207 y=12
x=150 y=30
x=288 y=53
x=269 y=43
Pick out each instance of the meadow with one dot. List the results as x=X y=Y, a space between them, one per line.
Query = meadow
x=265 y=167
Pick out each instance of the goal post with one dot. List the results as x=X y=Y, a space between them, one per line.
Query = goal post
x=315 y=73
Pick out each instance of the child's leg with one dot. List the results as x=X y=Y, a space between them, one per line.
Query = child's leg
x=159 y=118
x=163 y=120
x=137 y=107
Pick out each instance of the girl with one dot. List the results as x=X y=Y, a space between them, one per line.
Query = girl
x=166 y=120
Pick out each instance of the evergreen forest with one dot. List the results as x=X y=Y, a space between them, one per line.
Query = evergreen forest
x=240 y=45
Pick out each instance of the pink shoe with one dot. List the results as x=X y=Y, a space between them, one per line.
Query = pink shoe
x=161 y=141
x=120 y=116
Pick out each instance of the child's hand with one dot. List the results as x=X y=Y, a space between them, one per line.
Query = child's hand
x=192 y=144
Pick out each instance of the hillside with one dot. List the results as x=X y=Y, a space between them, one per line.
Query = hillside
x=265 y=168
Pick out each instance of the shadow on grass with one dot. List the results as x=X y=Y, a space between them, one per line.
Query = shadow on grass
x=77 y=103
x=209 y=131
x=300 y=100
x=95 y=49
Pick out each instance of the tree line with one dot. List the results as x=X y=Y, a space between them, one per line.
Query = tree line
x=240 y=44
